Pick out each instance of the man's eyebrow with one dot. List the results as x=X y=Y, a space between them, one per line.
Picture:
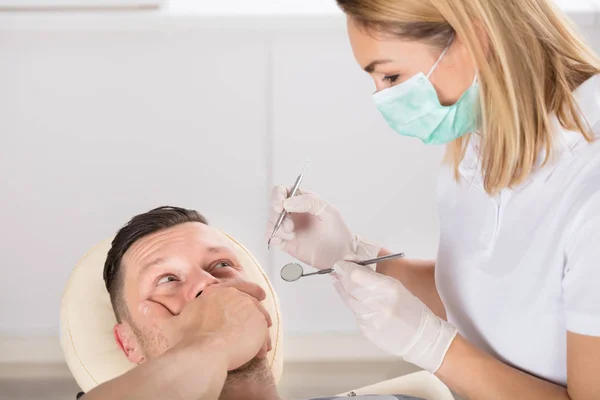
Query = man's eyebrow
x=219 y=249
x=371 y=67
x=160 y=260
x=152 y=263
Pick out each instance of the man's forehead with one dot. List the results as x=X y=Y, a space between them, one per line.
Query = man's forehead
x=194 y=235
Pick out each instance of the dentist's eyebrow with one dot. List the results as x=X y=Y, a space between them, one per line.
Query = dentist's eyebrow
x=371 y=67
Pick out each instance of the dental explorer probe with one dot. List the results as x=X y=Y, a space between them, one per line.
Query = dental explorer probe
x=284 y=212
x=379 y=259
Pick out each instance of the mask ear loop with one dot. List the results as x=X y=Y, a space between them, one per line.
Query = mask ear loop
x=441 y=57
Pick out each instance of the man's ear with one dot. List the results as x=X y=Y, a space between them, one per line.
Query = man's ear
x=128 y=343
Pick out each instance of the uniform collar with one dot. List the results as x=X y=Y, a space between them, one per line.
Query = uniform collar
x=587 y=97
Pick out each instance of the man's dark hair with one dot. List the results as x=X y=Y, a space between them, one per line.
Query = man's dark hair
x=138 y=227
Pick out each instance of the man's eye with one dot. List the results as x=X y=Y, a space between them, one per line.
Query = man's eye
x=223 y=264
x=167 y=279
x=391 y=78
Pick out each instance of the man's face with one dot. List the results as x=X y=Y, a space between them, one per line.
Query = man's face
x=171 y=268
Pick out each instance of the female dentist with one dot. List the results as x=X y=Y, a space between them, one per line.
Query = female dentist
x=510 y=309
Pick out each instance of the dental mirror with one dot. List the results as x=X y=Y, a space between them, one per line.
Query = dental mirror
x=292 y=272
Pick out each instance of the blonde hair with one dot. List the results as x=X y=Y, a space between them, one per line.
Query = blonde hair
x=528 y=66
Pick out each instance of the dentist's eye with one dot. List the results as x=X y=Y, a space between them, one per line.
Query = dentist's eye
x=166 y=279
x=391 y=78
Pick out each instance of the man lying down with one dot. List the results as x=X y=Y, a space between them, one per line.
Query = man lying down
x=187 y=315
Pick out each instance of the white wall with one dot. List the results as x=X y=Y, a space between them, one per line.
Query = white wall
x=97 y=127
x=99 y=124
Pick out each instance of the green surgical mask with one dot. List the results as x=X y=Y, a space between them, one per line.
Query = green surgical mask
x=412 y=108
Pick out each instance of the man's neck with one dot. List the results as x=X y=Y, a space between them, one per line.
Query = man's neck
x=250 y=392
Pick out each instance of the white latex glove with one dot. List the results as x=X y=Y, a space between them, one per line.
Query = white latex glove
x=392 y=318
x=325 y=241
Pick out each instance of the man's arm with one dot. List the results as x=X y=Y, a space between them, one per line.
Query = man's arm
x=215 y=333
x=418 y=276
x=195 y=372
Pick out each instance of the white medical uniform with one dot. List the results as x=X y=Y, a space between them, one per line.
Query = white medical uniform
x=518 y=270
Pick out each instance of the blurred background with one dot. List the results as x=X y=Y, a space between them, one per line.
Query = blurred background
x=111 y=108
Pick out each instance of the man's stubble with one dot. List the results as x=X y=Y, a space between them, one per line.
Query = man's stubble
x=255 y=373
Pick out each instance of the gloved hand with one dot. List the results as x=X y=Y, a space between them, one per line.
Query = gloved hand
x=392 y=318
x=325 y=240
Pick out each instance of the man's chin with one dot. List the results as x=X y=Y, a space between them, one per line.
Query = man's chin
x=251 y=381
x=254 y=364
x=255 y=369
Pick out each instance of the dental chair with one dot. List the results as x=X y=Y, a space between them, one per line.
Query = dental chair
x=87 y=320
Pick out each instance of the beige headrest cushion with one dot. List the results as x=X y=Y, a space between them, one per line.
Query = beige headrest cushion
x=87 y=319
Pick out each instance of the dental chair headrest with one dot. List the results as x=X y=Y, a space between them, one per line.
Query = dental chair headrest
x=87 y=319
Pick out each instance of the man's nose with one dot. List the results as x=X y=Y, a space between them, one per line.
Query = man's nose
x=201 y=281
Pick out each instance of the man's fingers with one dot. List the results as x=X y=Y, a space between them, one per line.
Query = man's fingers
x=256 y=292
x=264 y=350
x=264 y=311
x=267 y=347
x=270 y=346
x=249 y=288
